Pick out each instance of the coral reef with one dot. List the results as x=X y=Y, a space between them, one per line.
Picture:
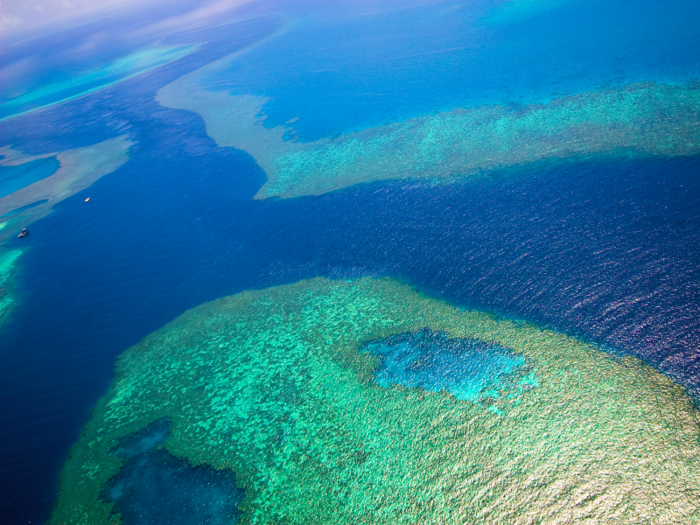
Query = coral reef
x=154 y=488
x=278 y=385
x=639 y=119
x=8 y=263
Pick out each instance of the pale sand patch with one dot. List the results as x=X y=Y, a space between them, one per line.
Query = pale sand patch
x=13 y=157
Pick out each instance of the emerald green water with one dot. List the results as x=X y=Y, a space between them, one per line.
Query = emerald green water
x=528 y=157
x=8 y=262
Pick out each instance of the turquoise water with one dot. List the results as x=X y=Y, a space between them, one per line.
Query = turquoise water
x=467 y=369
x=338 y=70
x=90 y=81
x=13 y=178
x=23 y=208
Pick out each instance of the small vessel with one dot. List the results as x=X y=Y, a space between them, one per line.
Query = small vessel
x=23 y=233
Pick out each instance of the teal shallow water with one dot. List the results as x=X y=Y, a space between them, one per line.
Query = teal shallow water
x=13 y=178
x=90 y=81
x=465 y=368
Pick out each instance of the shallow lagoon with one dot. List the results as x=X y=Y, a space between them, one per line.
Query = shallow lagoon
x=13 y=178
x=466 y=368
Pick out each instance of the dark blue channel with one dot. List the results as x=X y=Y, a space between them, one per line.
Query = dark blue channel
x=48 y=379
x=607 y=251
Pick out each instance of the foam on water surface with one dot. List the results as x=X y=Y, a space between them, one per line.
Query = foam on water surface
x=274 y=385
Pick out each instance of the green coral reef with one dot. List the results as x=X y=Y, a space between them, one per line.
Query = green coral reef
x=639 y=119
x=8 y=264
x=274 y=384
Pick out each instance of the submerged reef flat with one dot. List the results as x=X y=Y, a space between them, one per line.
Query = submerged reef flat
x=283 y=387
x=8 y=264
x=79 y=168
x=642 y=119
x=91 y=81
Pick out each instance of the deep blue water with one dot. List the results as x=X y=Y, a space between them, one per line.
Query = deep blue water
x=605 y=251
x=609 y=251
x=154 y=487
x=468 y=369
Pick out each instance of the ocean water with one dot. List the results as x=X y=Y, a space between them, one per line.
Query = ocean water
x=59 y=64
x=23 y=208
x=339 y=69
x=92 y=80
x=271 y=384
x=606 y=250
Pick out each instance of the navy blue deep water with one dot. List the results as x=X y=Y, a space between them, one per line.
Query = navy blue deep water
x=608 y=251
x=570 y=248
